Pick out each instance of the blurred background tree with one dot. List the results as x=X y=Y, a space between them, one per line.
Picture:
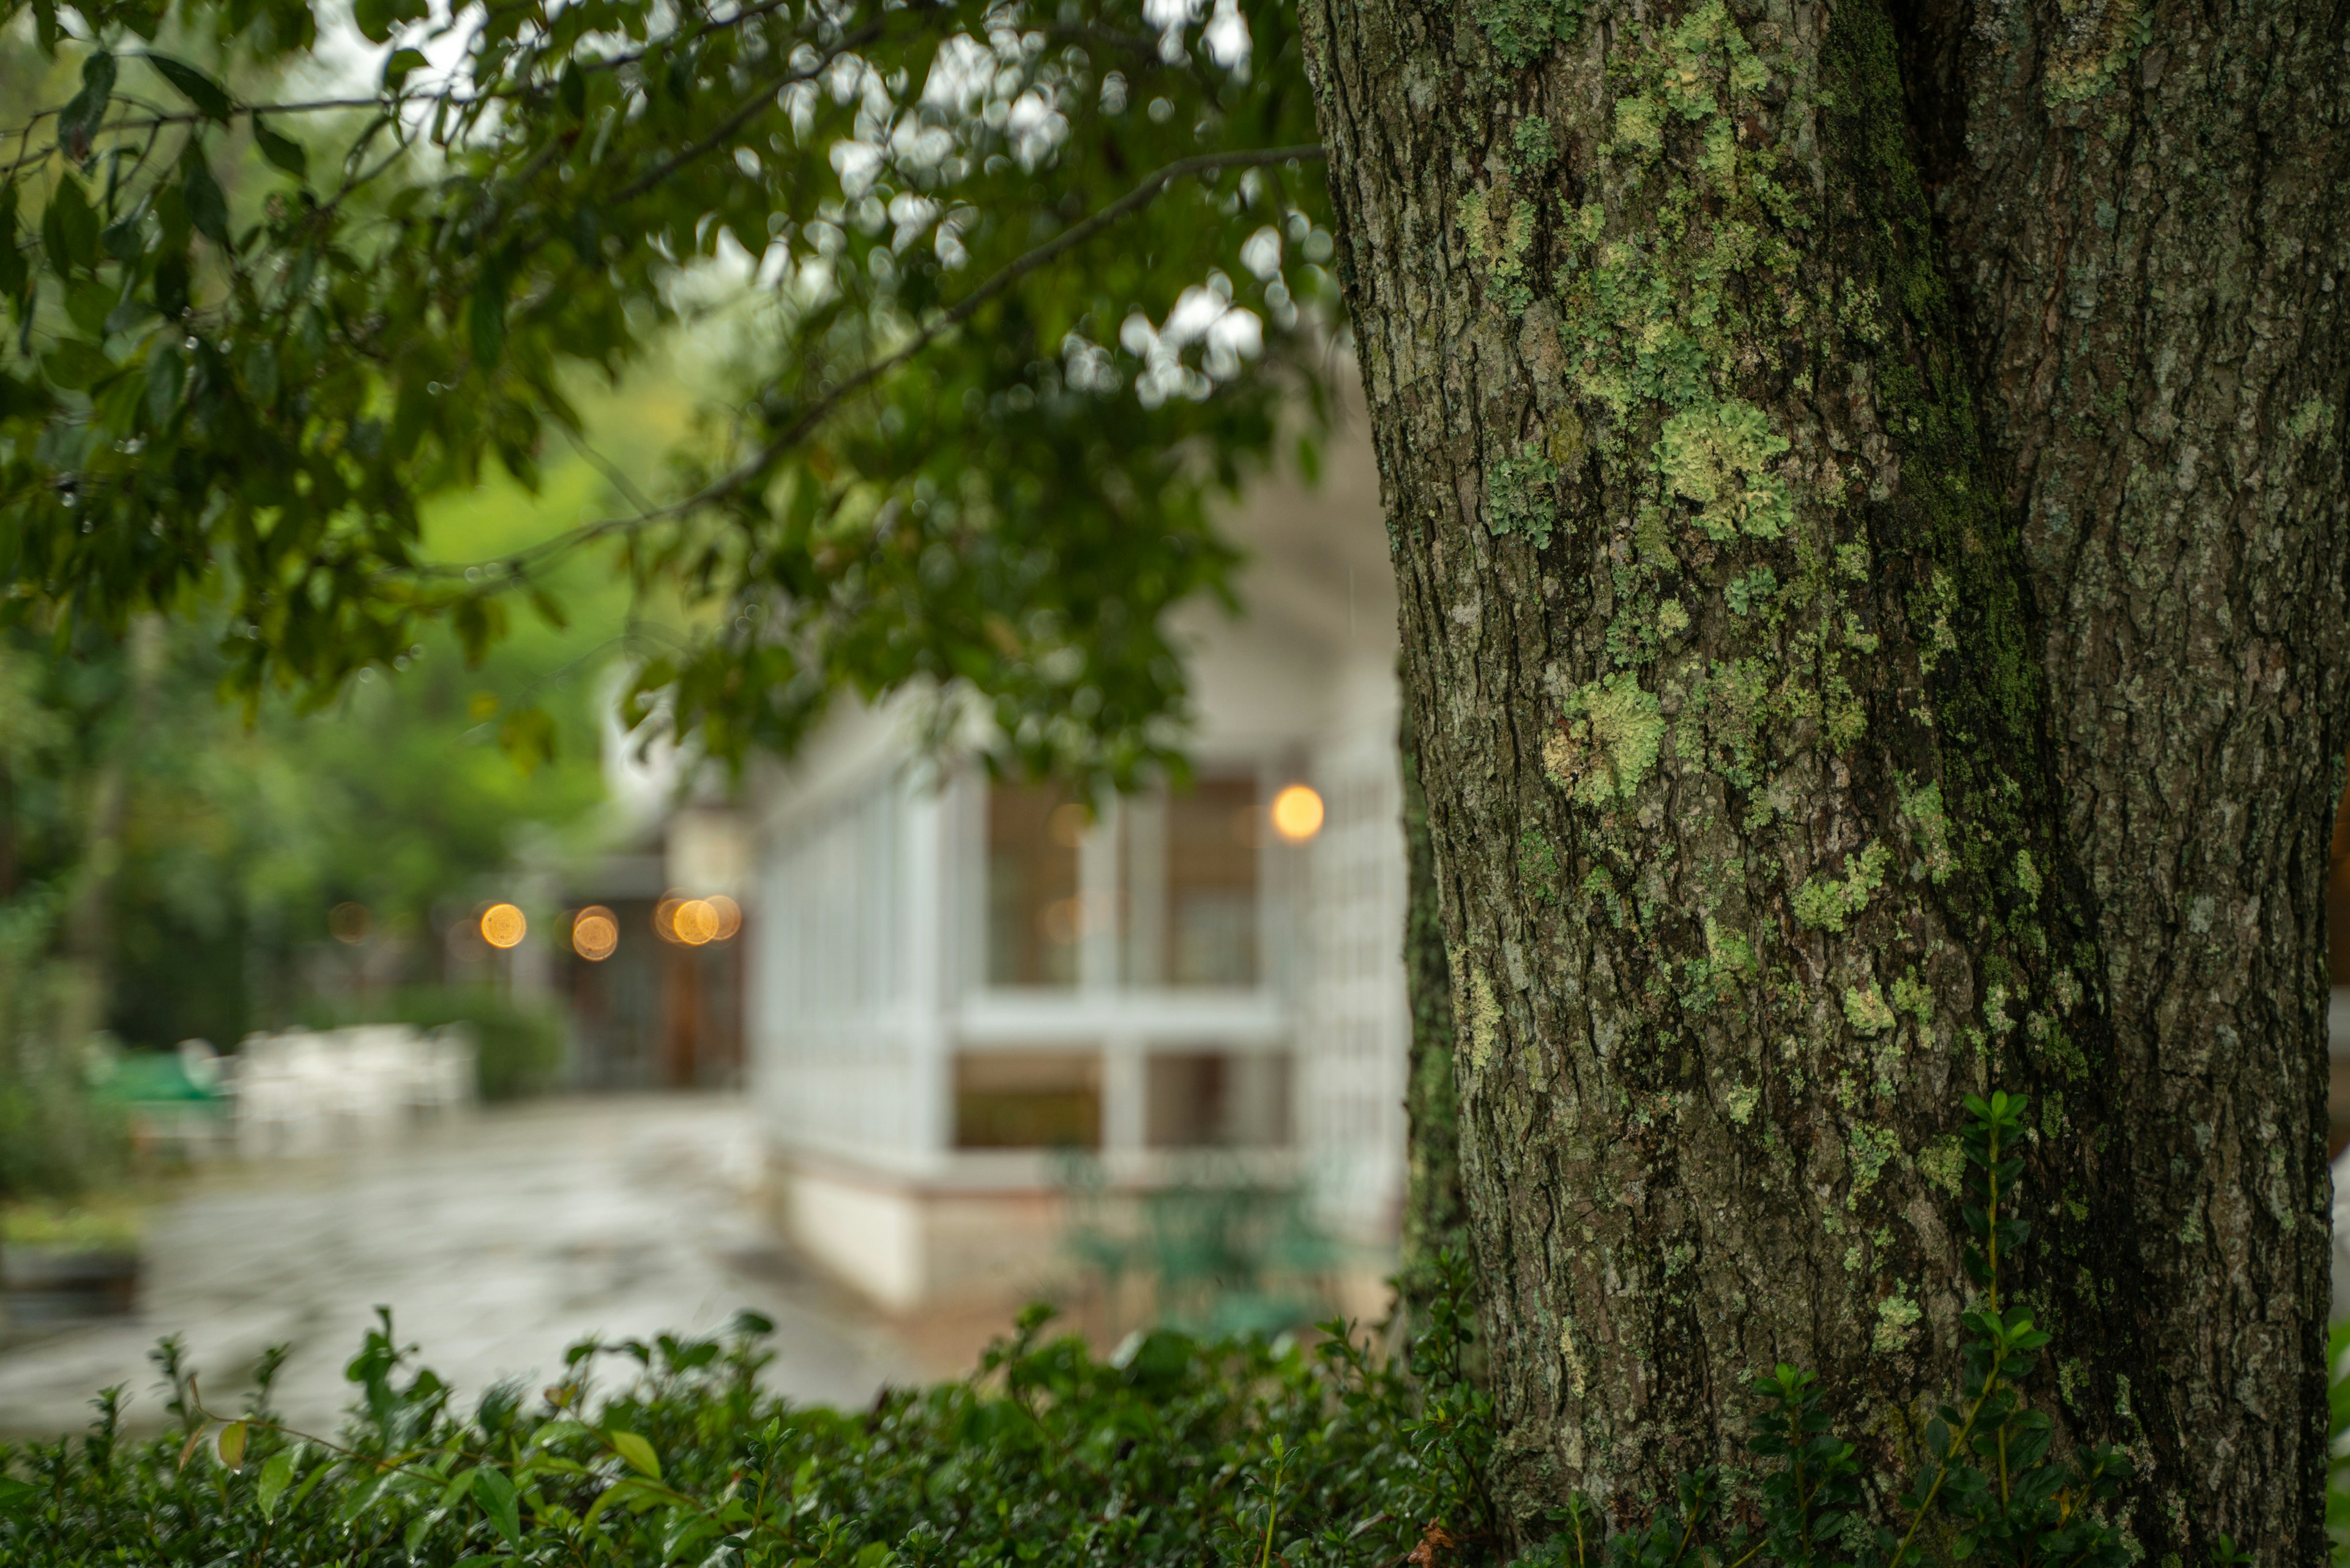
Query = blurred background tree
x=375 y=388
x=195 y=847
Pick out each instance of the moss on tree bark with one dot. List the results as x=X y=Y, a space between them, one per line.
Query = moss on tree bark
x=1865 y=491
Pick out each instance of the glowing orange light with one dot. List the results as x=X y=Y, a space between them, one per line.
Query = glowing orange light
x=729 y=916
x=348 y=923
x=502 y=926
x=665 y=916
x=695 y=922
x=1297 y=814
x=595 y=933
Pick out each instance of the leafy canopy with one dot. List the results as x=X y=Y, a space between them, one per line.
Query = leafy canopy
x=1012 y=293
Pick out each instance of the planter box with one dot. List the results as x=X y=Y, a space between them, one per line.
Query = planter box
x=47 y=1287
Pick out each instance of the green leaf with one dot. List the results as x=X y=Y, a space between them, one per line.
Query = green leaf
x=397 y=69
x=78 y=121
x=232 y=1445
x=496 y=1493
x=211 y=98
x=635 y=1450
x=486 y=316
x=377 y=18
x=283 y=151
x=527 y=735
x=127 y=315
x=276 y=1476
x=76 y=366
x=309 y=1483
x=171 y=284
x=69 y=228
x=88 y=304
x=623 y=1491
x=15 y=1496
x=13 y=269
x=261 y=372
x=207 y=206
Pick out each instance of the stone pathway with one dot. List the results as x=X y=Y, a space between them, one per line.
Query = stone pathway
x=497 y=1241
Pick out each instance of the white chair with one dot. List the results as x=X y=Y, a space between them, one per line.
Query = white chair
x=454 y=1068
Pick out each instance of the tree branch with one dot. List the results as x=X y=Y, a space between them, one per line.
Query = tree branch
x=802 y=424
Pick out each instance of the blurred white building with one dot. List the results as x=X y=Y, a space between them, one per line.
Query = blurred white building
x=949 y=980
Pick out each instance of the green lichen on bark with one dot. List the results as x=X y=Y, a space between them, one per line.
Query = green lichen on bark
x=1719 y=456
x=1520 y=496
x=1829 y=903
x=1523 y=31
x=1533 y=145
x=1500 y=229
x=1606 y=740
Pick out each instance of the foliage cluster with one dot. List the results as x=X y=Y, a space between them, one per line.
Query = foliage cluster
x=1174 y=1450
x=1219 y=1253
x=56 y=1140
x=1032 y=285
x=205 y=890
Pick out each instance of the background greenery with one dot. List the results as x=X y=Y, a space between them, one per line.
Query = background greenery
x=518 y=1043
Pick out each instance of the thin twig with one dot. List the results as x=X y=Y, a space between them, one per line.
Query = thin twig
x=743 y=113
x=528 y=89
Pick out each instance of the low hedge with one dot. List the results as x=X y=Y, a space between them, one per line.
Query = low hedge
x=1174 y=1451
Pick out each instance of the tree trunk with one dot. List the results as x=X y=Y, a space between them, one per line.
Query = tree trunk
x=1435 y=1215
x=1865 y=489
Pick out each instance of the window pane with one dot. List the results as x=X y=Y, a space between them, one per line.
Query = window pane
x=1214 y=1098
x=1212 y=834
x=1042 y=1099
x=1032 y=886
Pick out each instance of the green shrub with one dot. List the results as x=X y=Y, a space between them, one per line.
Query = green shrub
x=1176 y=1451
x=57 y=1140
x=110 y=1224
x=1217 y=1254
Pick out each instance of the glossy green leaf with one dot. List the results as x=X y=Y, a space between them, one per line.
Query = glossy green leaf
x=276 y=1476
x=76 y=366
x=282 y=152
x=211 y=98
x=496 y=1496
x=69 y=229
x=207 y=204
x=638 y=1452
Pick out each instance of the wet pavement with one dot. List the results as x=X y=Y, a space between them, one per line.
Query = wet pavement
x=497 y=1240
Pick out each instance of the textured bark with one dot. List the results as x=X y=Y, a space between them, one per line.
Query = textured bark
x=2151 y=243
x=1866 y=494
x=1435 y=1214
